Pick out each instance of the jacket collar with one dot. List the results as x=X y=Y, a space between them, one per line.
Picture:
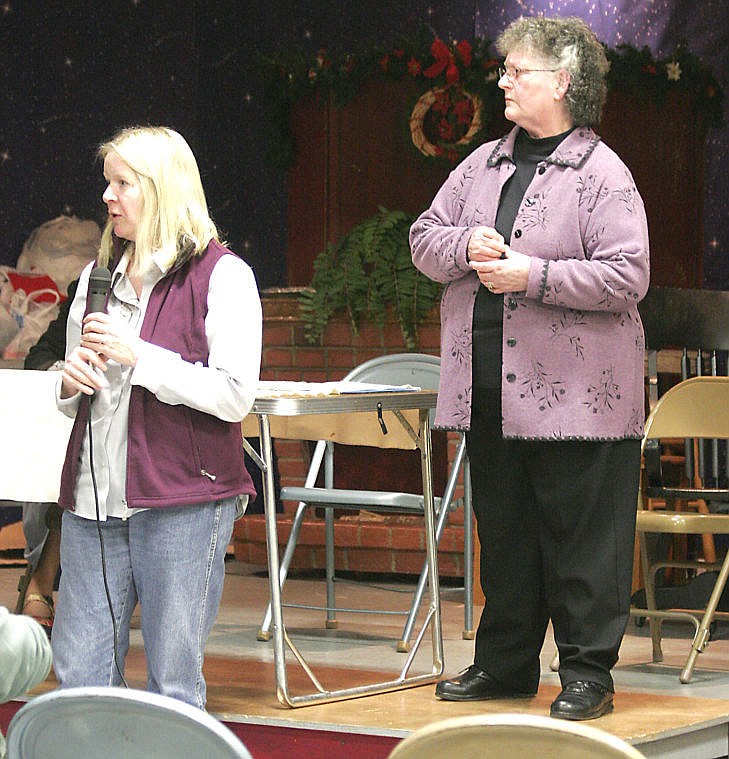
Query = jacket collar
x=573 y=151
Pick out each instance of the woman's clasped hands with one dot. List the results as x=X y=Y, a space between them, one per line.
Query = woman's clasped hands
x=499 y=268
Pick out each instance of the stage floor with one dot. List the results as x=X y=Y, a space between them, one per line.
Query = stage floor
x=653 y=710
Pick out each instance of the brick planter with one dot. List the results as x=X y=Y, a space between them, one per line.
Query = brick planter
x=365 y=542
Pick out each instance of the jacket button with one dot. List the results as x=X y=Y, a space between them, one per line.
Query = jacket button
x=511 y=342
x=511 y=377
x=542 y=169
x=517 y=233
x=512 y=304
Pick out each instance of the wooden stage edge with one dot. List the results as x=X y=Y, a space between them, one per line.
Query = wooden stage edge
x=243 y=691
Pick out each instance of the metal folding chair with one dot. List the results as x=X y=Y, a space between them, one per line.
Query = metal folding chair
x=695 y=409
x=415 y=369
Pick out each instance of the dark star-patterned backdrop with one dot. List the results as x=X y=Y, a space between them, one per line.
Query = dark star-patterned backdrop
x=73 y=71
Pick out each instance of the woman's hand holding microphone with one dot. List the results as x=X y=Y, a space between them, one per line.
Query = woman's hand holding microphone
x=102 y=339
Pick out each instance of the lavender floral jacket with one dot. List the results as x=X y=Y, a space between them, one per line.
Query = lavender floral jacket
x=573 y=342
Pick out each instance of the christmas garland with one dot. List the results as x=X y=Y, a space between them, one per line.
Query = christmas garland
x=460 y=91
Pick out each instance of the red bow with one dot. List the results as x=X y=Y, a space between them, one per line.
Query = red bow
x=443 y=61
x=465 y=51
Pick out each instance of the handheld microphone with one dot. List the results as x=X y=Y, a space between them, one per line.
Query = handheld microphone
x=99 y=286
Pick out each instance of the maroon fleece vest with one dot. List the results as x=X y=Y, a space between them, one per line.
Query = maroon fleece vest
x=175 y=455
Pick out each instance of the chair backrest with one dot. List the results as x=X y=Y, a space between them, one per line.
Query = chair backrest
x=417 y=369
x=696 y=322
x=677 y=317
x=117 y=723
x=695 y=408
x=396 y=469
x=420 y=369
x=507 y=735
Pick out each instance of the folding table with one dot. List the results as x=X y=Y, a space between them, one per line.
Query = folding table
x=392 y=419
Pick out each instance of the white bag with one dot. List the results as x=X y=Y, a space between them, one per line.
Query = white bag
x=32 y=317
x=61 y=248
x=9 y=327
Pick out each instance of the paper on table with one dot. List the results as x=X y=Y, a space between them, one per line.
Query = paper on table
x=273 y=389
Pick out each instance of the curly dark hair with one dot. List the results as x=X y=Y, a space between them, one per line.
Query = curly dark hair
x=566 y=43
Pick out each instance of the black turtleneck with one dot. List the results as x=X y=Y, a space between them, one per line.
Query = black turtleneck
x=488 y=309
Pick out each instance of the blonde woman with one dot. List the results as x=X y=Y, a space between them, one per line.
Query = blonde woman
x=158 y=382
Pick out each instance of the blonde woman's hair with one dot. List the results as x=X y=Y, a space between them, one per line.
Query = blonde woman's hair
x=174 y=218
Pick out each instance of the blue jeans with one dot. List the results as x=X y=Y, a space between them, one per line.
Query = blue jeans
x=172 y=561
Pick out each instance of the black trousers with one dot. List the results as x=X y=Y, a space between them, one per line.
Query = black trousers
x=556 y=521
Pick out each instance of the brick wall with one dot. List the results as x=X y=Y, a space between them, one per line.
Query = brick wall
x=365 y=542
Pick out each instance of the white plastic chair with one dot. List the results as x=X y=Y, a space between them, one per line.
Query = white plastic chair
x=117 y=723
x=419 y=370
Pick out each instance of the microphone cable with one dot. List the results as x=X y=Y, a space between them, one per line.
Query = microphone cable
x=115 y=628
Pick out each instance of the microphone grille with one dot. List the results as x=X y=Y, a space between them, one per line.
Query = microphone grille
x=100 y=278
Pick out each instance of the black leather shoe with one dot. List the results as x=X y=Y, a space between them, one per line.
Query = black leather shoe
x=582 y=700
x=473 y=684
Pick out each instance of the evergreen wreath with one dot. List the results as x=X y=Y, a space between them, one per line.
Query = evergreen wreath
x=444 y=121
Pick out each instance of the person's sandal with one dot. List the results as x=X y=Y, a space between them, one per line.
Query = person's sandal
x=45 y=621
x=23 y=583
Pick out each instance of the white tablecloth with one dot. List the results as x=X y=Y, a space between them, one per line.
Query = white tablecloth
x=33 y=436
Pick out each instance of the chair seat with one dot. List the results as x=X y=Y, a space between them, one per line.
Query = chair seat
x=357 y=499
x=682 y=522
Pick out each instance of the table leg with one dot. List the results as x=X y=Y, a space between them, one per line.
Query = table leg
x=274 y=567
x=431 y=547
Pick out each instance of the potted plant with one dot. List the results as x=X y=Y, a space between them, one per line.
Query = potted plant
x=367 y=272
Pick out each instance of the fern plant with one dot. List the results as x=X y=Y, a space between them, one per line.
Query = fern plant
x=367 y=271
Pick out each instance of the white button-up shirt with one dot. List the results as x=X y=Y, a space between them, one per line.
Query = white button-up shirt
x=226 y=387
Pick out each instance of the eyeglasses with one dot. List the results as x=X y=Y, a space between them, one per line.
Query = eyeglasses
x=512 y=73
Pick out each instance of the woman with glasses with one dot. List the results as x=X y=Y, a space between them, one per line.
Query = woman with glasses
x=541 y=241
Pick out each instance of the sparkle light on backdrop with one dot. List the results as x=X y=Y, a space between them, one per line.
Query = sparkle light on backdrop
x=72 y=72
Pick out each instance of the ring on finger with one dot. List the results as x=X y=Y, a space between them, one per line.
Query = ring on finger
x=489 y=285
